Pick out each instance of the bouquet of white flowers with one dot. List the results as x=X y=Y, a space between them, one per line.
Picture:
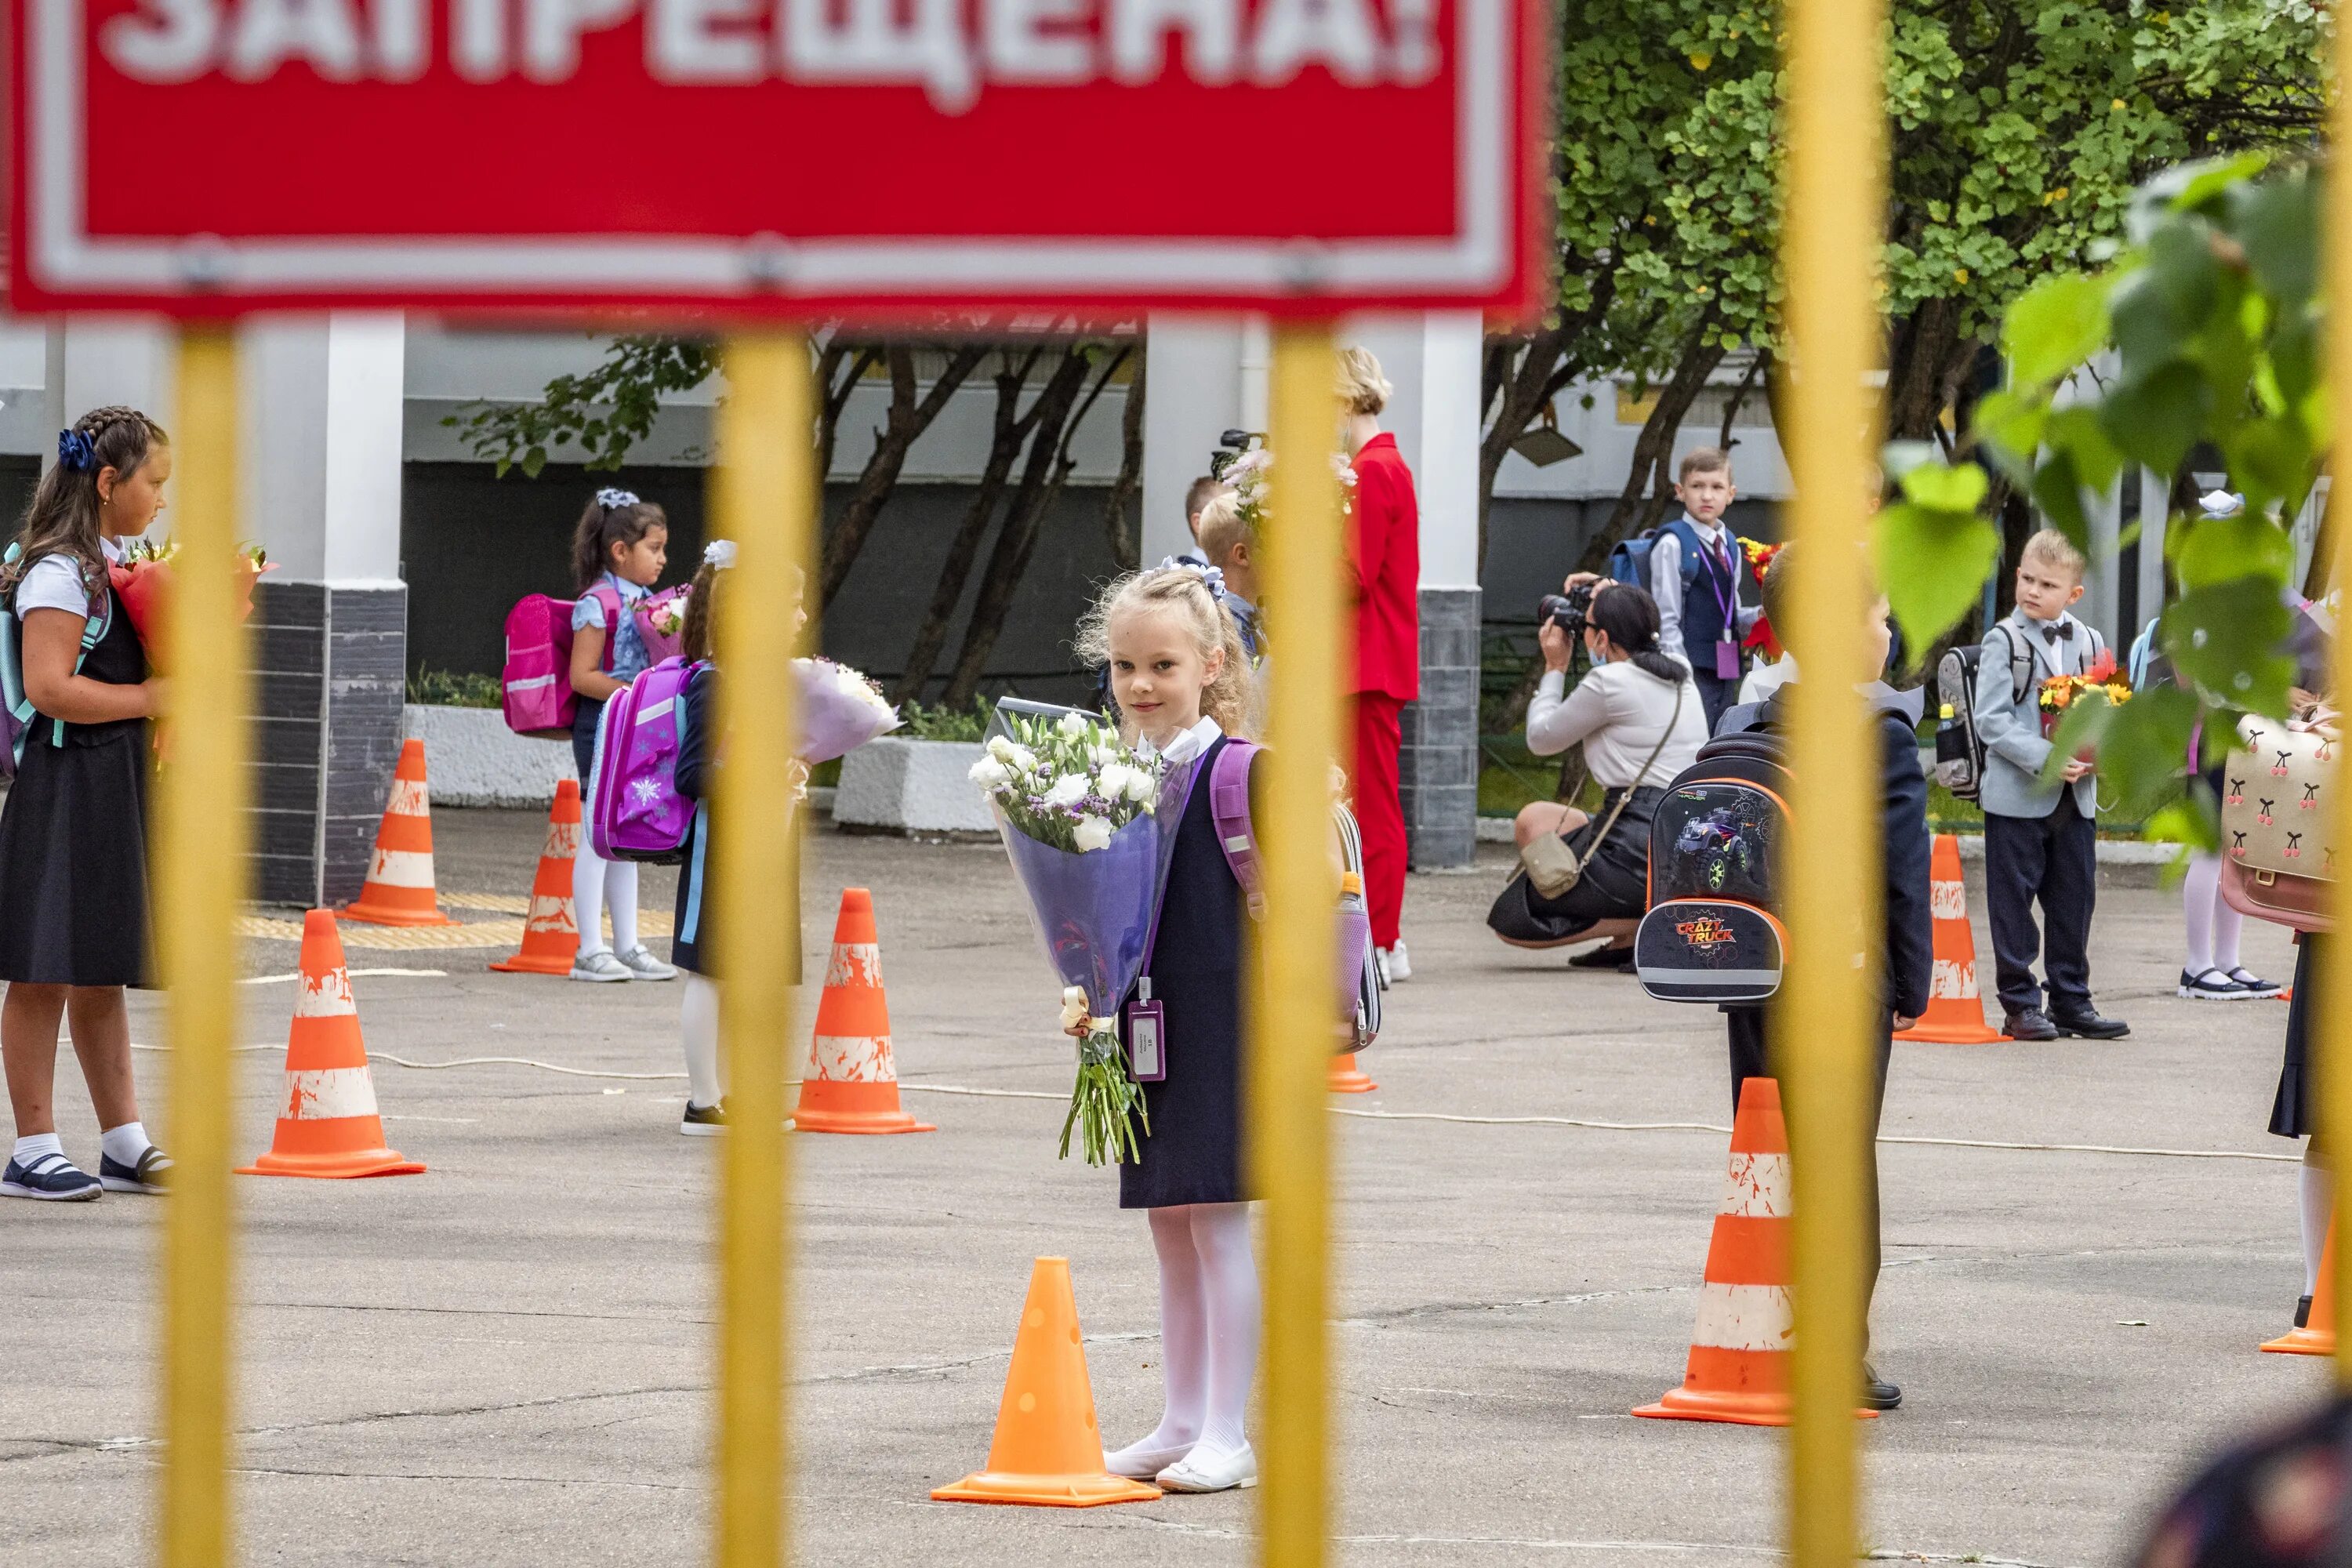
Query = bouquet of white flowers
x=1080 y=815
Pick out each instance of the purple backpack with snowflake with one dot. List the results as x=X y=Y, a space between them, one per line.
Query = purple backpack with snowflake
x=634 y=812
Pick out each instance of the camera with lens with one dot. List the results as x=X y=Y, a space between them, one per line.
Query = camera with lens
x=1230 y=446
x=1567 y=611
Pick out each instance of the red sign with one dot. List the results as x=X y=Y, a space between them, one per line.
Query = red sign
x=785 y=157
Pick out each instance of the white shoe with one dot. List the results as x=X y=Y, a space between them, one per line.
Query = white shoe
x=642 y=964
x=1395 y=962
x=1138 y=1463
x=600 y=967
x=1199 y=1472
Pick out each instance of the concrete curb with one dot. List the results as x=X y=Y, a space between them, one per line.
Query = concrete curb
x=472 y=758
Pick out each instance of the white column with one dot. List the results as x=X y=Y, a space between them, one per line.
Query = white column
x=1192 y=396
x=1451 y=361
x=366 y=355
x=2101 y=603
x=2155 y=502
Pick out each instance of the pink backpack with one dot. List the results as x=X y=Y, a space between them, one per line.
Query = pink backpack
x=635 y=810
x=1229 y=814
x=536 y=682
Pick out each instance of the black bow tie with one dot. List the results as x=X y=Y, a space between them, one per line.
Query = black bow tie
x=2058 y=632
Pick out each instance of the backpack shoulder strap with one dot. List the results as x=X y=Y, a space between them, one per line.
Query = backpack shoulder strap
x=2021 y=664
x=1694 y=552
x=606 y=594
x=1229 y=813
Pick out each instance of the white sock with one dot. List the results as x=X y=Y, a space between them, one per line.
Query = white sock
x=1220 y=1234
x=2316 y=1207
x=124 y=1144
x=588 y=897
x=33 y=1146
x=697 y=1022
x=621 y=897
x=2200 y=892
x=1183 y=1335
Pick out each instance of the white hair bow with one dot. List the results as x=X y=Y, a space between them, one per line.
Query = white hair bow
x=610 y=498
x=2222 y=504
x=718 y=553
x=1214 y=576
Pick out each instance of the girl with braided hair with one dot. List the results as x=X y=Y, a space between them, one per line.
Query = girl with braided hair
x=73 y=835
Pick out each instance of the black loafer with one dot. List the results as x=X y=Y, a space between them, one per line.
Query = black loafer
x=1877 y=1394
x=2302 y=1311
x=1604 y=957
x=2030 y=1024
x=2089 y=1026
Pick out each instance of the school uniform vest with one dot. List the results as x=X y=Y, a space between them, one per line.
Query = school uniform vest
x=1708 y=585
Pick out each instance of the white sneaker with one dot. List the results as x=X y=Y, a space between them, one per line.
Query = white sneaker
x=1203 y=1472
x=642 y=964
x=1393 y=960
x=601 y=967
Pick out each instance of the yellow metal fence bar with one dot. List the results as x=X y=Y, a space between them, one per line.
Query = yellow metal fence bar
x=199 y=882
x=2333 y=1014
x=1293 y=1000
x=1836 y=206
x=764 y=496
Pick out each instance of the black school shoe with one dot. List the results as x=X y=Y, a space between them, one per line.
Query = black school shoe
x=51 y=1179
x=2254 y=985
x=703 y=1120
x=2212 y=986
x=1620 y=959
x=2302 y=1311
x=2089 y=1026
x=2030 y=1024
x=152 y=1173
x=1877 y=1394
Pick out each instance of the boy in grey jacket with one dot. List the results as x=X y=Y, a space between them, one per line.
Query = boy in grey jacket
x=2041 y=840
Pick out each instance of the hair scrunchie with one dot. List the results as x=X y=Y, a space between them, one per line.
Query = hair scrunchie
x=719 y=555
x=75 y=454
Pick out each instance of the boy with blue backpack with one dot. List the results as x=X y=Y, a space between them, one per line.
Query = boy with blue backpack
x=1693 y=568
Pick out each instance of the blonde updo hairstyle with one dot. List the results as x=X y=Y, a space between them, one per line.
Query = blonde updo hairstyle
x=1362 y=388
x=1185 y=593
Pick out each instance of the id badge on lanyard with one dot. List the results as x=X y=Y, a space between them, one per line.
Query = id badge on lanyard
x=1147 y=1040
x=1727 y=660
x=1726 y=599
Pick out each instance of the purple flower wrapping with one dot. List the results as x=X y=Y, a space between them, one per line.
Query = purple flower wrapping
x=835 y=722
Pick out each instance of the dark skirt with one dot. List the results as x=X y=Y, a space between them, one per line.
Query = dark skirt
x=73 y=864
x=1615 y=886
x=1193 y=1154
x=2293 y=1111
x=583 y=739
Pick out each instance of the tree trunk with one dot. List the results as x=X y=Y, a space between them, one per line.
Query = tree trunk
x=1758 y=365
x=1010 y=429
x=1919 y=370
x=1125 y=537
x=1654 y=451
x=837 y=385
x=1018 y=538
x=910 y=416
x=1553 y=358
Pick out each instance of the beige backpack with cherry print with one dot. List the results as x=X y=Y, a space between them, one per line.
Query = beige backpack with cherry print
x=2277 y=861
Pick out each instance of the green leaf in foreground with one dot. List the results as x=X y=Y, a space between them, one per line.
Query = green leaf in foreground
x=1933 y=563
x=2231 y=638
x=2055 y=326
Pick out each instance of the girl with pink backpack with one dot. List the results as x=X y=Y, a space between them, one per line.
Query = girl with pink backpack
x=618 y=552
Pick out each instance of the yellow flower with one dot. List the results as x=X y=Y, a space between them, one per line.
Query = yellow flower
x=1959 y=274
x=1699 y=62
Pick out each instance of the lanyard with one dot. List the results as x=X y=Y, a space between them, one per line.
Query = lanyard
x=1151 y=932
x=1726 y=588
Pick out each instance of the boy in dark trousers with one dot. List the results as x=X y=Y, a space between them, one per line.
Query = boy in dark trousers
x=1695 y=569
x=1908 y=937
x=2041 y=840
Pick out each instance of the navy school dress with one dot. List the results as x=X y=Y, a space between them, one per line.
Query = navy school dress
x=692 y=946
x=73 y=838
x=1194 y=1153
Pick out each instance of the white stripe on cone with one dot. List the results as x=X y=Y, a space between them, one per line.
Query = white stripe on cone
x=327 y=1094
x=1948 y=900
x=852 y=1058
x=328 y=997
x=1743 y=1317
x=408 y=799
x=854 y=963
x=402 y=868
x=549 y=913
x=1757 y=1187
x=563 y=841
x=1953 y=981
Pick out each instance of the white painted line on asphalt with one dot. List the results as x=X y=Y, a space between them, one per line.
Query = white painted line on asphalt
x=288 y=979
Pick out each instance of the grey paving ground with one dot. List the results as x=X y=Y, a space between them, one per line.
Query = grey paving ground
x=505 y=1362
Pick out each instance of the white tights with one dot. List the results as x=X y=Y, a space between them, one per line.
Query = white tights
x=697 y=1022
x=1208 y=1328
x=598 y=885
x=2213 y=925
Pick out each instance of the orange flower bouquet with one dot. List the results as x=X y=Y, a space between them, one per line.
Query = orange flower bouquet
x=2060 y=692
x=142 y=580
x=1760 y=556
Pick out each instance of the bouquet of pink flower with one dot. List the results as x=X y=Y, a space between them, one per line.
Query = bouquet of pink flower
x=661 y=621
x=142 y=580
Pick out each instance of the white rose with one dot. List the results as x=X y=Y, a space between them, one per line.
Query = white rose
x=1093 y=833
x=1142 y=785
x=1073 y=726
x=988 y=772
x=999 y=748
x=1023 y=760
x=1111 y=782
x=1067 y=790
x=1075 y=1006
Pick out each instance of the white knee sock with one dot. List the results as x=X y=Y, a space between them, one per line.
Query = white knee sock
x=2316 y=1206
x=698 y=1028
x=621 y=897
x=2199 y=893
x=588 y=896
x=1183 y=1336
x=1220 y=1234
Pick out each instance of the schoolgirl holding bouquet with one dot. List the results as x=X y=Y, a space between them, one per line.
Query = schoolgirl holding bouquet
x=1181 y=679
x=617 y=554
x=73 y=835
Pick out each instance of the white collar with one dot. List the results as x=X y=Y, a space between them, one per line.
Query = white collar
x=111 y=548
x=1185 y=747
x=1706 y=530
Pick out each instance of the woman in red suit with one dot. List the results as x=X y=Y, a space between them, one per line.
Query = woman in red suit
x=1384 y=558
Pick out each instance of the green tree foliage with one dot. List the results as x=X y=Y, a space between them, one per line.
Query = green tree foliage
x=604 y=413
x=2205 y=334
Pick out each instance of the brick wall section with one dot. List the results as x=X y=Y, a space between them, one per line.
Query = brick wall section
x=1438 y=768
x=330 y=668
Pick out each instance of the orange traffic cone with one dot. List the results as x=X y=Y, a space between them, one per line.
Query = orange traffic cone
x=1955 y=1014
x=551 y=937
x=329 y=1126
x=1347 y=1077
x=1047 y=1449
x=1738 y=1367
x=399 y=890
x=2317 y=1336
x=851 y=1082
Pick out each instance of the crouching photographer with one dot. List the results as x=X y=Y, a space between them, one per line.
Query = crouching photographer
x=1640 y=722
